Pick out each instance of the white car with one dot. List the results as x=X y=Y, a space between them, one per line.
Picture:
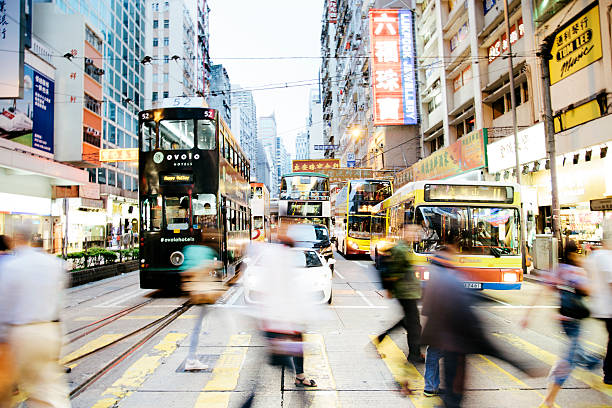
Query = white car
x=314 y=276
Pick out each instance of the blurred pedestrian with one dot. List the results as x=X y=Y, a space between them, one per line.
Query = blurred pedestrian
x=31 y=289
x=570 y=281
x=200 y=269
x=399 y=278
x=7 y=365
x=599 y=268
x=453 y=329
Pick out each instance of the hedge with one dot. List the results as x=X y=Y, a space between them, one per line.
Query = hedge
x=98 y=256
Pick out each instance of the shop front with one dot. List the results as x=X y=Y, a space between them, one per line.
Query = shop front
x=121 y=221
x=16 y=209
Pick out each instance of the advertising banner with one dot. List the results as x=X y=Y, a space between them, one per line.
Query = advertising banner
x=467 y=153
x=393 y=54
x=315 y=165
x=29 y=121
x=577 y=45
x=532 y=147
x=11 y=48
x=115 y=155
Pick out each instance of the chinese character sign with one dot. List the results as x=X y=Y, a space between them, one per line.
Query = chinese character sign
x=11 y=49
x=315 y=165
x=394 y=85
x=29 y=121
x=577 y=45
x=332 y=11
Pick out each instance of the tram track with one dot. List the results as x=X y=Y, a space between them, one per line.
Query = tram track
x=159 y=324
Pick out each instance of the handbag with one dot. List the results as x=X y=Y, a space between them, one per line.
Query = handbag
x=573 y=304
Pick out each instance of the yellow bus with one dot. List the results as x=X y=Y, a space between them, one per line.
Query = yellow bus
x=480 y=218
x=260 y=212
x=353 y=213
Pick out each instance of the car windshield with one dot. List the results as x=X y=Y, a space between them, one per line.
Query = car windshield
x=307 y=259
x=474 y=230
x=321 y=233
x=359 y=226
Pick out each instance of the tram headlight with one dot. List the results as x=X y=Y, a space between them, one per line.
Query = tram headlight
x=177 y=258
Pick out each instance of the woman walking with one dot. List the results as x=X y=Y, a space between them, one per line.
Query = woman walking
x=570 y=281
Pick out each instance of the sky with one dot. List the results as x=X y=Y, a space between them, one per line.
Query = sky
x=249 y=29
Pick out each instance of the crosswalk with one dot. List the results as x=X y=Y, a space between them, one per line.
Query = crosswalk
x=220 y=386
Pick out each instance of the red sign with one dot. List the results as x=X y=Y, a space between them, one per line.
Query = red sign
x=501 y=45
x=332 y=11
x=386 y=67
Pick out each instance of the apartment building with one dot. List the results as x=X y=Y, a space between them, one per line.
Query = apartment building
x=171 y=44
x=203 y=64
x=314 y=125
x=244 y=123
x=302 y=146
x=220 y=92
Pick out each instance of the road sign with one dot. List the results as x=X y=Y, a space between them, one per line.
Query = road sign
x=326 y=147
x=350 y=163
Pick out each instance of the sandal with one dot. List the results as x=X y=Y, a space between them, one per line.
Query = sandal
x=303 y=382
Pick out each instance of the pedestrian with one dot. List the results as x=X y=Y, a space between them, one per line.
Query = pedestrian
x=7 y=365
x=200 y=268
x=453 y=329
x=599 y=268
x=398 y=277
x=31 y=290
x=570 y=281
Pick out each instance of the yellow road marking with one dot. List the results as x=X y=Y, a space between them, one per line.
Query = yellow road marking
x=316 y=365
x=396 y=362
x=90 y=346
x=587 y=377
x=225 y=374
x=138 y=372
x=133 y=317
x=489 y=363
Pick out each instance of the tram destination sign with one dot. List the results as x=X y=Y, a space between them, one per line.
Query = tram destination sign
x=176 y=178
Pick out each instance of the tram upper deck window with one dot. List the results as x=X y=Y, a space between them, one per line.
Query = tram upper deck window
x=147 y=136
x=206 y=135
x=176 y=134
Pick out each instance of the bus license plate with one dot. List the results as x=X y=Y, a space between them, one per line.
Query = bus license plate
x=472 y=285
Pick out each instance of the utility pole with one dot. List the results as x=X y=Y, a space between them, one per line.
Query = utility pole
x=523 y=226
x=549 y=130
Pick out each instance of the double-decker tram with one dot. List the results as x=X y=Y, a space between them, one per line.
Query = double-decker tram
x=260 y=212
x=353 y=213
x=194 y=189
x=478 y=219
x=304 y=198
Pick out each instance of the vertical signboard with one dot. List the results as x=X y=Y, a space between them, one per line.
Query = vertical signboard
x=11 y=48
x=29 y=121
x=332 y=11
x=394 y=85
x=577 y=45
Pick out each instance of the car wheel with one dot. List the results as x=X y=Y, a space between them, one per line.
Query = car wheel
x=331 y=295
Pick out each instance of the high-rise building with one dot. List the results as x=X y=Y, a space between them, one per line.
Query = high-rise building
x=348 y=103
x=116 y=32
x=244 y=123
x=302 y=146
x=202 y=47
x=265 y=168
x=266 y=133
x=170 y=42
x=220 y=93
x=315 y=125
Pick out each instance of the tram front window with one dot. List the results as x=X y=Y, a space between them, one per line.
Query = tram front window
x=359 y=226
x=175 y=134
x=147 y=136
x=206 y=135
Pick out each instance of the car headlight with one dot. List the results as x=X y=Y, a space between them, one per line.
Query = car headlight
x=353 y=245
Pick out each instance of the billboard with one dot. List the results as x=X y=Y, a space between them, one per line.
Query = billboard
x=12 y=32
x=393 y=56
x=577 y=44
x=314 y=165
x=29 y=120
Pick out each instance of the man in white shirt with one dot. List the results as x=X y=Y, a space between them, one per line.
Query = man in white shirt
x=599 y=267
x=31 y=288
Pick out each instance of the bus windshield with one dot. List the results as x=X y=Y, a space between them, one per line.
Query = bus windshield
x=370 y=191
x=304 y=188
x=474 y=230
x=359 y=226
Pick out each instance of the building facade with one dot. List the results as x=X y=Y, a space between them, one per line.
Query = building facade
x=171 y=44
x=265 y=167
x=302 y=146
x=347 y=91
x=220 y=92
x=244 y=123
x=266 y=133
x=203 y=64
x=315 y=125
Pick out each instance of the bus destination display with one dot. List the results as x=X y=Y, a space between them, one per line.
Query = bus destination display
x=297 y=209
x=176 y=178
x=469 y=193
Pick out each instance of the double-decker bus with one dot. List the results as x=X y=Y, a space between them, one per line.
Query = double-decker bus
x=480 y=219
x=304 y=198
x=194 y=186
x=353 y=213
x=260 y=212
